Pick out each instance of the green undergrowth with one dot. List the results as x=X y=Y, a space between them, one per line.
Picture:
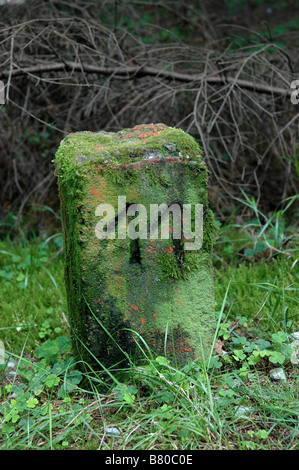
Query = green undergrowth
x=267 y=293
x=32 y=291
x=49 y=400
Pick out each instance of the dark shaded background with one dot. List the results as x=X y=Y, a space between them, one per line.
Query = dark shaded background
x=107 y=65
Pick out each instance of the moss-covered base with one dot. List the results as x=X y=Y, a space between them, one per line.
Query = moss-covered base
x=122 y=292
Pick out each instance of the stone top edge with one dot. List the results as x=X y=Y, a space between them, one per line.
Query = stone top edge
x=142 y=143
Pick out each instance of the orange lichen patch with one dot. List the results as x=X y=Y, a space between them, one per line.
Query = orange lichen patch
x=146 y=134
x=150 y=248
x=150 y=126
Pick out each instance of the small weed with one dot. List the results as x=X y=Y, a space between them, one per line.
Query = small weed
x=30 y=402
x=275 y=349
x=25 y=261
x=261 y=237
x=32 y=292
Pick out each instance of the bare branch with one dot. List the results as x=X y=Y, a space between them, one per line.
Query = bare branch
x=143 y=71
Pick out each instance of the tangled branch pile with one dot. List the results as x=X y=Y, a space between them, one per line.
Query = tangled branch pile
x=64 y=70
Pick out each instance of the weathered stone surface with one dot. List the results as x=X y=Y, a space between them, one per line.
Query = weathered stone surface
x=125 y=291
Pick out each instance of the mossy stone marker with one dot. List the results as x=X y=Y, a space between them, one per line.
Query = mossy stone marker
x=129 y=275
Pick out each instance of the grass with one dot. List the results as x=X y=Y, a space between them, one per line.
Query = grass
x=27 y=273
x=227 y=402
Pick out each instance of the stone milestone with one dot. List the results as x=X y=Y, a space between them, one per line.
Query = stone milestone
x=138 y=237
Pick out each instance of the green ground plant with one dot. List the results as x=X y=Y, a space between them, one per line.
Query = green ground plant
x=29 y=282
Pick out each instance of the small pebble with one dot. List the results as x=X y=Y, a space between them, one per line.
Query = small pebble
x=11 y=365
x=295 y=353
x=294 y=336
x=242 y=410
x=114 y=432
x=278 y=374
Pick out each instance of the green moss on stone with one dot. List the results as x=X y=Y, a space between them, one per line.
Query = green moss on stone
x=109 y=291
